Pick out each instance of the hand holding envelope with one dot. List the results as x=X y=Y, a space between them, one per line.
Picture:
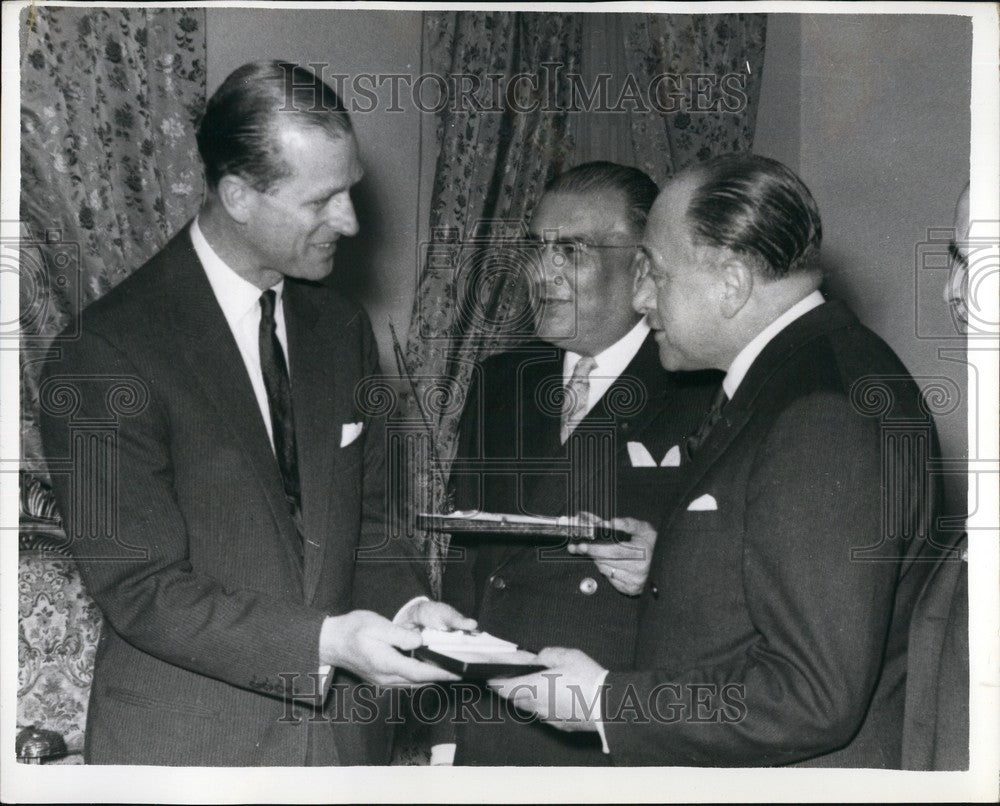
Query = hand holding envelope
x=625 y=564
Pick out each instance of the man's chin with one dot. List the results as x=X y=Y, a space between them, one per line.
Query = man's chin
x=669 y=359
x=313 y=272
x=555 y=330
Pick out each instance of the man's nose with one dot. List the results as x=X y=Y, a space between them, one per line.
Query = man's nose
x=341 y=215
x=643 y=296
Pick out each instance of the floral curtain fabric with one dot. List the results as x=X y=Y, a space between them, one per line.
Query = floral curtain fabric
x=708 y=106
x=109 y=165
x=495 y=157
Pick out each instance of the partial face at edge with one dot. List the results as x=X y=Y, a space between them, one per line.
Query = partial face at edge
x=956 y=292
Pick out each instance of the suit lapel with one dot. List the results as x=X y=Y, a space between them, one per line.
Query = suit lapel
x=215 y=363
x=635 y=399
x=736 y=414
x=313 y=359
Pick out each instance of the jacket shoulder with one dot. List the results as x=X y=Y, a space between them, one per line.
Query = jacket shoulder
x=137 y=301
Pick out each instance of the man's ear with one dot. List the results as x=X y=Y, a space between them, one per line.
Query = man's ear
x=737 y=285
x=237 y=196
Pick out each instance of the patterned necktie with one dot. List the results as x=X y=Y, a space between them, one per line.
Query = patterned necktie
x=711 y=418
x=279 y=401
x=577 y=392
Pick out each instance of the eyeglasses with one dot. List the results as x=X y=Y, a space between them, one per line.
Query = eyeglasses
x=569 y=248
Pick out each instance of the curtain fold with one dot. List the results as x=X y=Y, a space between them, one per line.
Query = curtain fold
x=496 y=152
x=109 y=164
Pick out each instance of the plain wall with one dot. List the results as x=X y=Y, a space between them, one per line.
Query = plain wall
x=379 y=265
x=882 y=141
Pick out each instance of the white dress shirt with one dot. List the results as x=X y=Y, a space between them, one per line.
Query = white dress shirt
x=611 y=362
x=240 y=303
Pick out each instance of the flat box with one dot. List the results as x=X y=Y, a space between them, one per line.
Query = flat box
x=482 y=665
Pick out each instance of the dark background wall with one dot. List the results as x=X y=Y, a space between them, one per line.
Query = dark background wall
x=871 y=110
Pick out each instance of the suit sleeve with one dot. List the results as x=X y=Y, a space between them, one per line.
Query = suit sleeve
x=390 y=569
x=139 y=570
x=801 y=685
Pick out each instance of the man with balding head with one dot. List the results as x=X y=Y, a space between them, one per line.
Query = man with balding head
x=773 y=625
x=581 y=418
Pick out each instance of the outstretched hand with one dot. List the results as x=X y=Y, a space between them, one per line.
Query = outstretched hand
x=371 y=646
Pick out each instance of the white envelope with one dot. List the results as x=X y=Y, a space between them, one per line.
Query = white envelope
x=672 y=457
x=639 y=456
x=350 y=432
x=704 y=503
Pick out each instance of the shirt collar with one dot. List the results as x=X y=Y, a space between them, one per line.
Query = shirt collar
x=744 y=360
x=612 y=361
x=237 y=297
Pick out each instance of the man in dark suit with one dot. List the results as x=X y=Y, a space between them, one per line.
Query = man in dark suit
x=218 y=533
x=610 y=447
x=774 y=622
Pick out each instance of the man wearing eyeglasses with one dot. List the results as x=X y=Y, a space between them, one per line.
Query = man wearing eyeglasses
x=583 y=418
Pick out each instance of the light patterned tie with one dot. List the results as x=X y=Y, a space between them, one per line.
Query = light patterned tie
x=577 y=391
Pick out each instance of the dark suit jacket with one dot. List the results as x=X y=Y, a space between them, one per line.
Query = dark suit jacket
x=936 y=730
x=196 y=561
x=774 y=625
x=510 y=459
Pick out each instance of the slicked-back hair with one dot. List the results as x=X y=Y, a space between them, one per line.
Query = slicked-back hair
x=238 y=133
x=758 y=209
x=595 y=177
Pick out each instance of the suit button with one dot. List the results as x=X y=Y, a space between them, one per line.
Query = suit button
x=498 y=583
x=588 y=586
x=655 y=590
x=624 y=426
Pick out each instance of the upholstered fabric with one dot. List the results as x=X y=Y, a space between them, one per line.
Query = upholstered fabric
x=58 y=629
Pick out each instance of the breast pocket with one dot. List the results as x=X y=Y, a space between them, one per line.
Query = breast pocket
x=646 y=492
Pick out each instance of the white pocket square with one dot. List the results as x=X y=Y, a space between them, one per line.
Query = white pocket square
x=350 y=432
x=704 y=503
x=672 y=457
x=639 y=456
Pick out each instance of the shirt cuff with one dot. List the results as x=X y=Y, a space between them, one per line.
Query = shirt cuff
x=404 y=611
x=598 y=719
x=443 y=755
x=324 y=677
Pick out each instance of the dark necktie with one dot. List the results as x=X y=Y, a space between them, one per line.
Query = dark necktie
x=711 y=418
x=279 y=401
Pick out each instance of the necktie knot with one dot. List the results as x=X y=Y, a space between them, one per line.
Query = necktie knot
x=711 y=418
x=576 y=395
x=267 y=305
x=583 y=368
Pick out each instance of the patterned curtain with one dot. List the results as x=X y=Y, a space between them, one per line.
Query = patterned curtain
x=109 y=166
x=719 y=59
x=493 y=162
